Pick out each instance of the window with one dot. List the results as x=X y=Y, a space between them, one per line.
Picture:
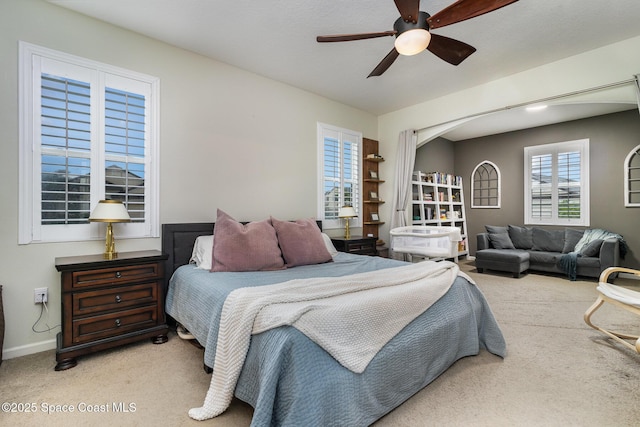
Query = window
x=88 y=131
x=485 y=186
x=556 y=183
x=632 y=178
x=339 y=178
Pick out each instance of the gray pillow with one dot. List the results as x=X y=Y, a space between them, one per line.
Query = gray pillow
x=571 y=237
x=592 y=249
x=522 y=237
x=495 y=229
x=548 y=240
x=501 y=241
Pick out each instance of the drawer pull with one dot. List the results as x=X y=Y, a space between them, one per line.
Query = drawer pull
x=117 y=323
x=118 y=275
x=118 y=299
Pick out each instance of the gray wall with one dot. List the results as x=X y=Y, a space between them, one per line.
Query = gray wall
x=439 y=157
x=611 y=138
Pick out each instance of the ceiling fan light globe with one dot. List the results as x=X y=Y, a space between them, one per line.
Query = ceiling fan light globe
x=412 y=42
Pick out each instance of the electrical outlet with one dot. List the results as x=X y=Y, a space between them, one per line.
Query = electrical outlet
x=40 y=295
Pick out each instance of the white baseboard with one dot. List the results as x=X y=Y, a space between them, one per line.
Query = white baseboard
x=24 y=350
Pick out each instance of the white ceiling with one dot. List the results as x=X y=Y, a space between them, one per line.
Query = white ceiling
x=276 y=39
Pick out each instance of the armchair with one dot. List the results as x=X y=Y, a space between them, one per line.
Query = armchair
x=618 y=296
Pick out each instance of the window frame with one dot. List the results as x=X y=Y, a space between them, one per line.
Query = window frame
x=553 y=149
x=497 y=188
x=635 y=152
x=324 y=130
x=33 y=61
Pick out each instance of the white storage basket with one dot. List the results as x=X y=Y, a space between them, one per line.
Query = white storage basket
x=426 y=241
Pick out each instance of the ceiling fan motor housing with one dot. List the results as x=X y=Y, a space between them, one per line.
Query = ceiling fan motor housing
x=400 y=26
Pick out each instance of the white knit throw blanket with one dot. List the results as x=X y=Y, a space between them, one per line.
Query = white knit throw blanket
x=351 y=317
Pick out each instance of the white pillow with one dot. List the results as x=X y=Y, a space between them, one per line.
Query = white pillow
x=202 y=252
x=327 y=241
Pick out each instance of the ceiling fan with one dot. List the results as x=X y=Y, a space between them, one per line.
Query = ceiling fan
x=412 y=31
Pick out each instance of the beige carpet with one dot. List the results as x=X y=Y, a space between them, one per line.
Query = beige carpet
x=558 y=372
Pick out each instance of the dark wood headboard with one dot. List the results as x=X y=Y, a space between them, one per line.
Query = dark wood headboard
x=178 y=241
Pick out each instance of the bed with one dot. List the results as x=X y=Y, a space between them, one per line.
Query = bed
x=290 y=380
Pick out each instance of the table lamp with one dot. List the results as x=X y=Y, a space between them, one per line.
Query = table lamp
x=347 y=212
x=110 y=211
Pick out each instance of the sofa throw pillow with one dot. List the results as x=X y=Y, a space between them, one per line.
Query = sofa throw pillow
x=496 y=229
x=592 y=249
x=501 y=241
x=571 y=238
x=522 y=237
x=301 y=242
x=245 y=247
x=548 y=240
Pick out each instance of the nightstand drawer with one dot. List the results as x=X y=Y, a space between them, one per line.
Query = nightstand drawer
x=355 y=245
x=113 y=324
x=105 y=300
x=115 y=275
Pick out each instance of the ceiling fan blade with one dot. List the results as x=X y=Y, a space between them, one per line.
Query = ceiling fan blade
x=408 y=9
x=465 y=9
x=450 y=50
x=385 y=63
x=350 y=37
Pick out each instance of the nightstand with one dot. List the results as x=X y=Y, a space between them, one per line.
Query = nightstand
x=355 y=245
x=109 y=303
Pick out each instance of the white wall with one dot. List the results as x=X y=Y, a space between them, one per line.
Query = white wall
x=229 y=139
x=609 y=64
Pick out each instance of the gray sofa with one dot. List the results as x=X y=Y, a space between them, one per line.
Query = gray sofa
x=517 y=249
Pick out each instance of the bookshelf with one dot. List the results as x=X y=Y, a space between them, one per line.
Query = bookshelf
x=371 y=199
x=438 y=200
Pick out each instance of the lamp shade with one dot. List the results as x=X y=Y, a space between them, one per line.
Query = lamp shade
x=347 y=212
x=110 y=211
x=412 y=42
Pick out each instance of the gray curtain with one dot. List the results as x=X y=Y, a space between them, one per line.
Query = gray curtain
x=405 y=160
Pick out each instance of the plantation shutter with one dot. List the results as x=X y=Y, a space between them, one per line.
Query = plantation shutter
x=569 y=184
x=65 y=150
x=125 y=150
x=541 y=186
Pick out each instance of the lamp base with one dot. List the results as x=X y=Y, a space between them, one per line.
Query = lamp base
x=110 y=244
x=347 y=232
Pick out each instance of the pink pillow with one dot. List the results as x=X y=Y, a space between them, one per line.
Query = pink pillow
x=301 y=242
x=250 y=247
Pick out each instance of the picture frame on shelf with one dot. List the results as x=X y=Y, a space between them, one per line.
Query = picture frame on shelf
x=373 y=195
x=373 y=174
x=375 y=217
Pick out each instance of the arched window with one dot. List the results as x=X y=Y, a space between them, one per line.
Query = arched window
x=632 y=178
x=485 y=186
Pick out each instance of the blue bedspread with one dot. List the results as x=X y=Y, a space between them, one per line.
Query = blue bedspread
x=291 y=381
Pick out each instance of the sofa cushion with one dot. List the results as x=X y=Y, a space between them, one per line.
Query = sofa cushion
x=496 y=229
x=544 y=257
x=592 y=249
x=548 y=240
x=588 y=261
x=514 y=256
x=521 y=237
x=500 y=241
x=571 y=237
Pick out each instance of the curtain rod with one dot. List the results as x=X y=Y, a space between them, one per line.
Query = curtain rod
x=522 y=104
